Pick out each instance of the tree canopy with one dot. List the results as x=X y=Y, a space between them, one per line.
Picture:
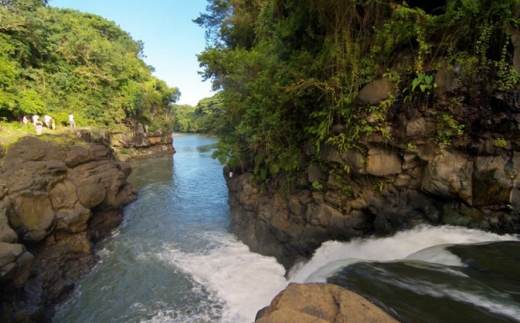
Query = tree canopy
x=290 y=70
x=61 y=61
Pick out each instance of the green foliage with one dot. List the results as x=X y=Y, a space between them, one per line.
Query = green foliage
x=184 y=116
x=317 y=186
x=378 y=185
x=449 y=129
x=500 y=143
x=290 y=71
x=411 y=146
x=60 y=61
x=424 y=82
x=507 y=76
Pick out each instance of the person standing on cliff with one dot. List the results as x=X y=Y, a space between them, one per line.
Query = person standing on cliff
x=25 y=121
x=39 y=126
x=47 y=121
x=71 y=121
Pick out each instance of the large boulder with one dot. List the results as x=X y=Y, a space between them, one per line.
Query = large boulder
x=15 y=263
x=7 y=234
x=321 y=303
x=449 y=174
x=376 y=92
x=446 y=82
x=352 y=158
x=381 y=162
x=33 y=217
x=492 y=182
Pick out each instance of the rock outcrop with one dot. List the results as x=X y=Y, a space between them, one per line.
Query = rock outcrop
x=141 y=144
x=58 y=195
x=321 y=303
x=427 y=168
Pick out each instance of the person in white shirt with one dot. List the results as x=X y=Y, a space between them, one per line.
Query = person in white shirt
x=47 y=121
x=71 y=121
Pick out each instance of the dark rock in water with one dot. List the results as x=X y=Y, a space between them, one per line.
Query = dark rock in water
x=59 y=194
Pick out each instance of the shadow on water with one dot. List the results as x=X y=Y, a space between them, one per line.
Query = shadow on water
x=207 y=148
x=146 y=171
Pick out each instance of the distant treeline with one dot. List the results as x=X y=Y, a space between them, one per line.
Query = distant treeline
x=206 y=117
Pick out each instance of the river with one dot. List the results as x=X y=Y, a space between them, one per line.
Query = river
x=173 y=260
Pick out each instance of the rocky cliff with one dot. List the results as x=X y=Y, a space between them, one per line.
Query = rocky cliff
x=140 y=143
x=58 y=195
x=461 y=169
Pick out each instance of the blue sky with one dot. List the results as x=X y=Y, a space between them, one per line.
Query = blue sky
x=171 y=39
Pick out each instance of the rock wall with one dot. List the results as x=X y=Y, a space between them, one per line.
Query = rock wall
x=58 y=195
x=141 y=144
x=387 y=183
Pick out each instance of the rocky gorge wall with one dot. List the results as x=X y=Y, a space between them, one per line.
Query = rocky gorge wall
x=141 y=144
x=58 y=196
x=392 y=182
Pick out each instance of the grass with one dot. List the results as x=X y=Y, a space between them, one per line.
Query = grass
x=10 y=132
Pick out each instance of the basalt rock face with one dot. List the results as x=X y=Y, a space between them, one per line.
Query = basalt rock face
x=58 y=195
x=408 y=177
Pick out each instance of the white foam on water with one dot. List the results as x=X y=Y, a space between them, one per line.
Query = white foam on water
x=333 y=255
x=244 y=281
x=438 y=255
x=493 y=301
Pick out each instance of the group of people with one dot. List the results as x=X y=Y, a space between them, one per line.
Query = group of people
x=48 y=122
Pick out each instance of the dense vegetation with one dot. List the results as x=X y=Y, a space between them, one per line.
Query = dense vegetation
x=291 y=70
x=206 y=117
x=58 y=61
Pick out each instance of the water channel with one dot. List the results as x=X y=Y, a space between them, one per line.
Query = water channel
x=173 y=260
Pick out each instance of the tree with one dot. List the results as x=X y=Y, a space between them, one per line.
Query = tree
x=290 y=70
x=60 y=61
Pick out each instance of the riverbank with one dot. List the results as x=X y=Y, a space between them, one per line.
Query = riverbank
x=127 y=145
x=60 y=194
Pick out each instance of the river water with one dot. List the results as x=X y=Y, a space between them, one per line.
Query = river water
x=173 y=260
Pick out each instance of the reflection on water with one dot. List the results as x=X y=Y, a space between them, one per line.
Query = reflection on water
x=152 y=171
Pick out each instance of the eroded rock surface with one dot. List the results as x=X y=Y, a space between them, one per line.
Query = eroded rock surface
x=58 y=195
x=386 y=184
x=321 y=303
